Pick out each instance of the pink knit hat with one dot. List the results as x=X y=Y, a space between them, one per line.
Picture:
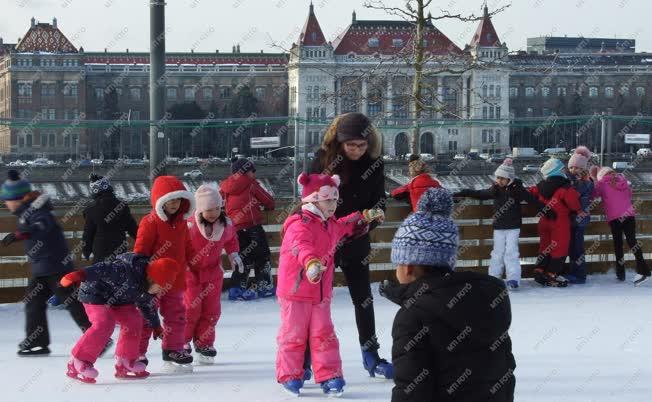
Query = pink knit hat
x=319 y=187
x=580 y=158
x=207 y=197
x=603 y=172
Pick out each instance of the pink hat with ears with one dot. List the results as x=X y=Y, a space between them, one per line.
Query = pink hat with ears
x=207 y=197
x=580 y=157
x=319 y=187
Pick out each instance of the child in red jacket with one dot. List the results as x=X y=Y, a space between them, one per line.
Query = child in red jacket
x=421 y=181
x=556 y=192
x=210 y=232
x=164 y=233
x=244 y=198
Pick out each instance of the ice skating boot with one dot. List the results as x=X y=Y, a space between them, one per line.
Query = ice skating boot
x=82 y=371
x=25 y=351
x=143 y=359
x=177 y=361
x=267 y=291
x=333 y=387
x=125 y=368
x=237 y=293
x=512 y=285
x=377 y=366
x=640 y=279
x=555 y=281
x=293 y=387
x=206 y=354
x=307 y=374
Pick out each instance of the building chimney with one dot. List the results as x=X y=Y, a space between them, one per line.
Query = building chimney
x=33 y=22
x=127 y=50
x=54 y=22
x=238 y=48
x=353 y=17
x=0 y=40
x=233 y=49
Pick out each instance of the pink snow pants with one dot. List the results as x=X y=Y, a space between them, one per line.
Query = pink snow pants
x=203 y=309
x=174 y=323
x=103 y=319
x=300 y=322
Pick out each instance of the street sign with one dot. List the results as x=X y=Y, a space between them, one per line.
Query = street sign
x=637 y=139
x=265 y=142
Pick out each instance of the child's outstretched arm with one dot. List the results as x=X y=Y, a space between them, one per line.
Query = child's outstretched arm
x=303 y=245
x=483 y=195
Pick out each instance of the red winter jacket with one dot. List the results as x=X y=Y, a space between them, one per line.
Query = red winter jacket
x=243 y=196
x=162 y=236
x=557 y=193
x=415 y=188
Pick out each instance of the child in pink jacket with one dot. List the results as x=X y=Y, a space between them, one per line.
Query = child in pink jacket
x=616 y=197
x=305 y=284
x=210 y=233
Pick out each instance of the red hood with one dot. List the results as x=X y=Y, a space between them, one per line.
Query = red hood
x=236 y=184
x=168 y=188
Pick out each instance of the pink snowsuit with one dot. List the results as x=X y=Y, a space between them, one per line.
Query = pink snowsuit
x=204 y=282
x=305 y=306
x=616 y=199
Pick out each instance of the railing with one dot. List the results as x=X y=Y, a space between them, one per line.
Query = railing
x=474 y=222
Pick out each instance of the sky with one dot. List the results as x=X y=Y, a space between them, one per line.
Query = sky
x=272 y=25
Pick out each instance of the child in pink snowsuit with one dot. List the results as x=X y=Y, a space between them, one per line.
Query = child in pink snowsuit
x=121 y=291
x=305 y=284
x=210 y=233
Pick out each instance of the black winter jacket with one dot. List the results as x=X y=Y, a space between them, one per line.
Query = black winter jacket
x=107 y=220
x=45 y=245
x=451 y=340
x=120 y=282
x=507 y=203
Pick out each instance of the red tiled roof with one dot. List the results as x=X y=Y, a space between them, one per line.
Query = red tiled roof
x=186 y=58
x=486 y=34
x=45 y=38
x=356 y=39
x=311 y=34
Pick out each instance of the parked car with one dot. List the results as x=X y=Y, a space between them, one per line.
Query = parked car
x=85 y=162
x=135 y=162
x=171 y=160
x=17 y=163
x=39 y=162
x=459 y=157
x=427 y=157
x=622 y=166
x=188 y=161
x=96 y=162
x=194 y=174
x=496 y=158
x=484 y=156
x=644 y=152
x=531 y=168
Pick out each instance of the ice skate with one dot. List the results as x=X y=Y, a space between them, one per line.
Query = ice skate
x=82 y=371
x=177 y=362
x=640 y=279
x=512 y=285
x=377 y=366
x=206 y=354
x=130 y=369
x=333 y=387
x=34 y=351
x=293 y=387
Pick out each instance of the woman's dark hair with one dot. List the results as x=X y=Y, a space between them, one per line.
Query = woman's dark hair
x=295 y=210
x=222 y=218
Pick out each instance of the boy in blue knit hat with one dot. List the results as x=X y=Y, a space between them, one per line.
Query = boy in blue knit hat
x=451 y=340
x=47 y=250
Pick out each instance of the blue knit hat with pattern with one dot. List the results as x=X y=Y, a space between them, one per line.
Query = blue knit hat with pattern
x=428 y=237
x=99 y=183
x=242 y=165
x=14 y=188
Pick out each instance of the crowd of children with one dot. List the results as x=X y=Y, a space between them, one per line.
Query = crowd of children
x=175 y=269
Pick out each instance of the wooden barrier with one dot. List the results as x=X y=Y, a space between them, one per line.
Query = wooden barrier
x=474 y=222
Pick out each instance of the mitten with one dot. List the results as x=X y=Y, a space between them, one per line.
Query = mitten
x=374 y=214
x=314 y=270
x=73 y=278
x=236 y=262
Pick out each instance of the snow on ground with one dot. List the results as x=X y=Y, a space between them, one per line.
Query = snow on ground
x=585 y=343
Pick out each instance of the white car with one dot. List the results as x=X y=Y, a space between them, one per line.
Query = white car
x=484 y=156
x=531 y=168
x=459 y=157
x=645 y=152
x=135 y=162
x=40 y=162
x=194 y=174
x=427 y=157
x=622 y=166
x=96 y=162
x=188 y=161
x=17 y=163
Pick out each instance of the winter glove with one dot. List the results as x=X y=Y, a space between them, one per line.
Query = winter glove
x=374 y=214
x=157 y=333
x=391 y=291
x=236 y=262
x=8 y=239
x=383 y=287
x=314 y=270
x=73 y=278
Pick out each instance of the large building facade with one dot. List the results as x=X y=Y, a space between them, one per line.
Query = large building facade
x=476 y=97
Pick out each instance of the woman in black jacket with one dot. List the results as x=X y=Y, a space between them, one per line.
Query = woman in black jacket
x=351 y=148
x=107 y=220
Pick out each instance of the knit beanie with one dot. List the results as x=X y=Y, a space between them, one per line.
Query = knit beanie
x=163 y=272
x=99 y=183
x=319 y=187
x=580 y=158
x=603 y=172
x=506 y=170
x=353 y=126
x=553 y=167
x=428 y=237
x=416 y=166
x=14 y=188
x=242 y=165
x=207 y=197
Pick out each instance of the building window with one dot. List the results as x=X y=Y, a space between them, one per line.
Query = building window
x=260 y=92
x=397 y=42
x=491 y=112
x=350 y=102
x=561 y=91
x=375 y=102
x=497 y=136
x=134 y=93
x=189 y=94
x=399 y=107
x=545 y=92
x=484 y=112
x=609 y=92
x=624 y=90
x=373 y=42
x=47 y=89
x=25 y=89
x=492 y=91
x=70 y=89
x=453 y=131
x=513 y=92
x=640 y=91
x=452 y=146
x=171 y=94
x=593 y=92
x=498 y=112
x=484 y=91
x=135 y=115
x=546 y=111
x=498 y=91
x=207 y=93
x=99 y=93
x=225 y=92
x=529 y=92
x=48 y=114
